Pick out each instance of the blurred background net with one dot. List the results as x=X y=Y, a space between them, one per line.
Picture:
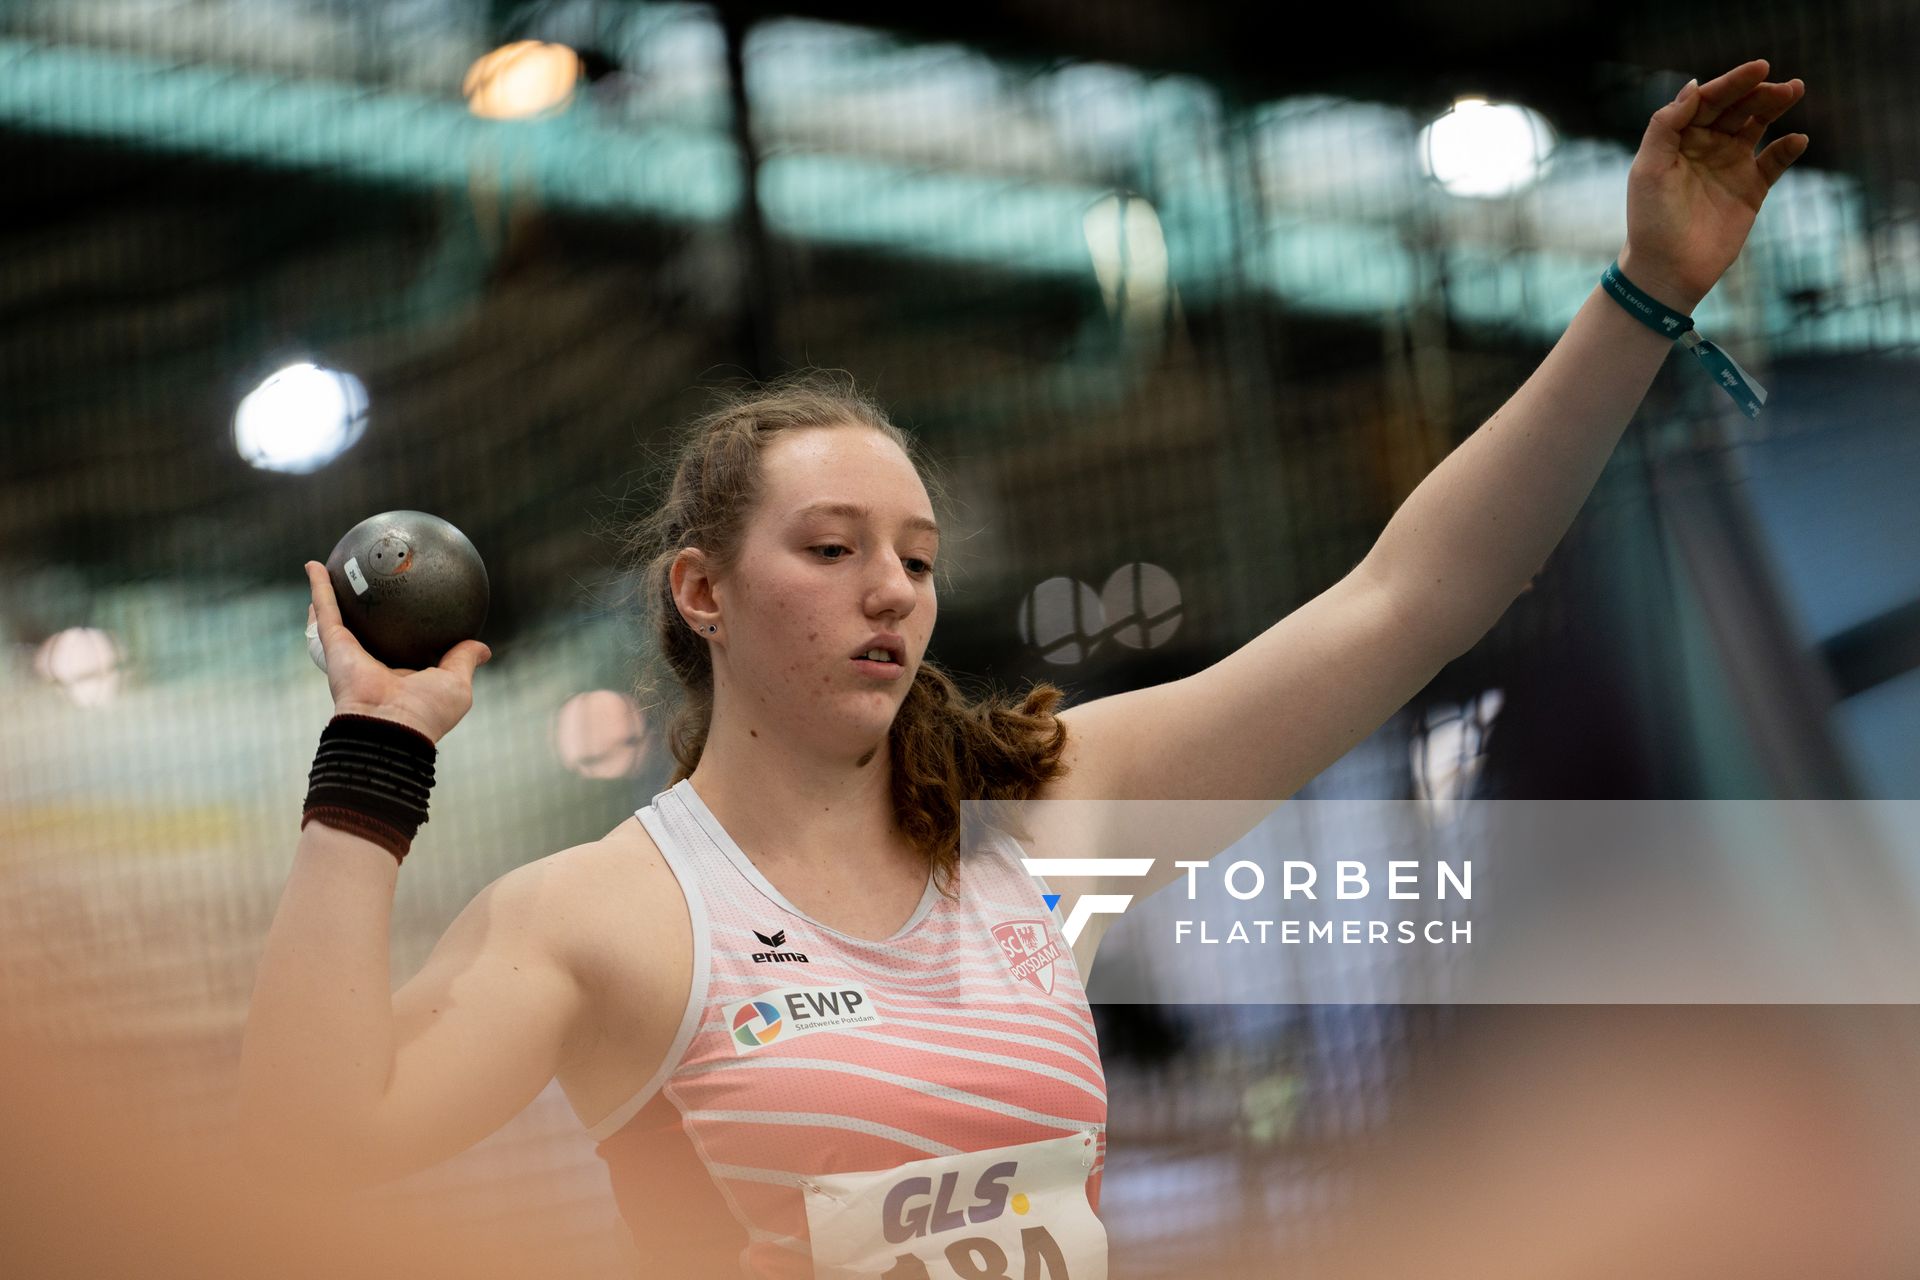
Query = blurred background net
x=1184 y=299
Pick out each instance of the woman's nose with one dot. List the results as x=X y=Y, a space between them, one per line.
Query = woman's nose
x=896 y=587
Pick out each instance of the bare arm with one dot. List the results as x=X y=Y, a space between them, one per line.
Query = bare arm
x=1265 y=719
x=1465 y=542
x=345 y=1081
x=1262 y=721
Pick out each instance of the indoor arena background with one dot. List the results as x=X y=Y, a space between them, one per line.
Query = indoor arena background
x=1184 y=298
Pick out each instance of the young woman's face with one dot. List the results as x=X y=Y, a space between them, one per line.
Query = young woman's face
x=839 y=551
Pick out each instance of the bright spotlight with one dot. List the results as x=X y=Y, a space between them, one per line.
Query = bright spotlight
x=1129 y=252
x=300 y=419
x=83 y=662
x=1483 y=149
x=522 y=79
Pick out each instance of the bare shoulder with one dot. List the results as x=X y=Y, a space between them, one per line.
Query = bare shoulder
x=611 y=909
x=611 y=913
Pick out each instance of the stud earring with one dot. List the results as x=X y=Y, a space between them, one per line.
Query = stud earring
x=713 y=628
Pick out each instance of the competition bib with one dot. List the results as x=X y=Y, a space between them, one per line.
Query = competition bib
x=1013 y=1213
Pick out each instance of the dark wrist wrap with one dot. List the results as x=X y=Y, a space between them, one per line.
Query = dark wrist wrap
x=371 y=778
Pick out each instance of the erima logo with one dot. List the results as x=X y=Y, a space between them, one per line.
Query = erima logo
x=1089 y=904
x=778 y=939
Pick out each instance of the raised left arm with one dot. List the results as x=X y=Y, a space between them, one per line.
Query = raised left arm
x=1265 y=719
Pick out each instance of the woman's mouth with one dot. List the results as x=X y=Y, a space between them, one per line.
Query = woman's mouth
x=878 y=665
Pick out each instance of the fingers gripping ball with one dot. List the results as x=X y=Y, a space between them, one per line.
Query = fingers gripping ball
x=410 y=586
x=315 y=650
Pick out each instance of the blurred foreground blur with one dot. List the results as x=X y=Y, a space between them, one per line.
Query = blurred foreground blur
x=95 y=1183
x=1564 y=1142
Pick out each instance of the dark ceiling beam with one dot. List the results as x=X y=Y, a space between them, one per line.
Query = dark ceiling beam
x=1875 y=651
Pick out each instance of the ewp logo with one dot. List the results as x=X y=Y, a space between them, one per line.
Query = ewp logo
x=756 y=1023
x=1089 y=904
x=788 y=1012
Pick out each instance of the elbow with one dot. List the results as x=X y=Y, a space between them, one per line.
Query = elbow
x=1444 y=619
x=1477 y=626
x=1435 y=629
x=1449 y=629
x=1459 y=641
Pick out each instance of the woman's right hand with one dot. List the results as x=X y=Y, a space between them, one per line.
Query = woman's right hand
x=430 y=701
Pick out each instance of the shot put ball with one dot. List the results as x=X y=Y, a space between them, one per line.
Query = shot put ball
x=410 y=586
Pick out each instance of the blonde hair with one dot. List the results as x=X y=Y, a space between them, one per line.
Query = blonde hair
x=945 y=747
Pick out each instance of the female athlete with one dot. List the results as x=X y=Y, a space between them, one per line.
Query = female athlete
x=810 y=1033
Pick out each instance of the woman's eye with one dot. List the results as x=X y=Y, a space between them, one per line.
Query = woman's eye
x=915 y=565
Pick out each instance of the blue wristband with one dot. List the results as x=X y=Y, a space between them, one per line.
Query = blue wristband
x=1721 y=367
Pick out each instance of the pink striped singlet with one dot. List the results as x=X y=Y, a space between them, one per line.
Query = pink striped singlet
x=929 y=1106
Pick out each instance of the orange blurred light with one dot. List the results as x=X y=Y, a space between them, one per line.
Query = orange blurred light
x=523 y=79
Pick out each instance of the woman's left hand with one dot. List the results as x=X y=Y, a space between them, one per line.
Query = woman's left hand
x=1696 y=184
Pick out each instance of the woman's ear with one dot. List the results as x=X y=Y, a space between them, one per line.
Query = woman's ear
x=691 y=583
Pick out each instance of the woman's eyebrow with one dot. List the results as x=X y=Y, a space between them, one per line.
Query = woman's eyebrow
x=858 y=512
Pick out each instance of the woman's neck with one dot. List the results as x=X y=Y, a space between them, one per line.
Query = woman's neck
x=783 y=807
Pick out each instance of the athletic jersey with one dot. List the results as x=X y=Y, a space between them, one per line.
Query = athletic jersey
x=930 y=1105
